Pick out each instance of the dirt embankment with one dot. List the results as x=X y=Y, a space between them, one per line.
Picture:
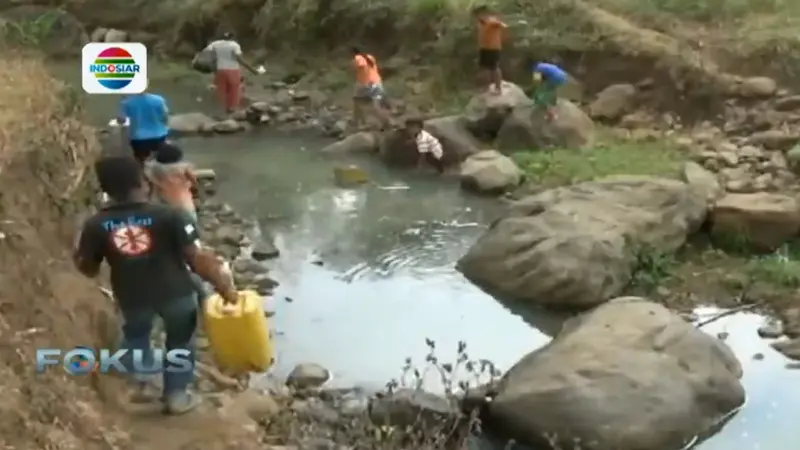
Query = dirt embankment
x=44 y=152
x=433 y=42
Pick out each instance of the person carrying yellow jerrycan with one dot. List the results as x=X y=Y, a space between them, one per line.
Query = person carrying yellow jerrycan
x=238 y=334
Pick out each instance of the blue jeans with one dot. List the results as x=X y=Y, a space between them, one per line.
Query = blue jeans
x=180 y=323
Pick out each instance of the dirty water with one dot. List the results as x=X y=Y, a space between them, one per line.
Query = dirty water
x=367 y=274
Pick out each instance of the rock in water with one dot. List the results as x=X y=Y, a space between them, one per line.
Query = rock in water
x=490 y=172
x=190 y=123
x=629 y=375
x=362 y=142
x=264 y=249
x=574 y=246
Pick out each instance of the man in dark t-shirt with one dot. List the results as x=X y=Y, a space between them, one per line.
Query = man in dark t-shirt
x=148 y=246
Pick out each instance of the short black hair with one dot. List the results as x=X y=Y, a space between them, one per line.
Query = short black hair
x=119 y=176
x=169 y=153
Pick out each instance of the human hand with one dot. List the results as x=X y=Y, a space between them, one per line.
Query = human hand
x=230 y=297
x=260 y=70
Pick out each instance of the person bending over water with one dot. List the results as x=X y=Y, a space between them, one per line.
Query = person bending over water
x=148 y=117
x=429 y=148
x=148 y=246
x=228 y=76
x=369 y=89
x=490 y=41
x=547 y=80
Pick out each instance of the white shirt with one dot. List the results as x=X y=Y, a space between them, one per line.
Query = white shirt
x=226 y=53
x=426 y=143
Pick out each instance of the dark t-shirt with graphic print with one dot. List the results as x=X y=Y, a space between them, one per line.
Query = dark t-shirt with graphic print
x=143 y=244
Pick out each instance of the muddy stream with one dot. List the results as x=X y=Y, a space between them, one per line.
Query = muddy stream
x=367 y=274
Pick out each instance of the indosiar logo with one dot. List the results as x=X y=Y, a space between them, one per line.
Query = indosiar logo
x=114 y=68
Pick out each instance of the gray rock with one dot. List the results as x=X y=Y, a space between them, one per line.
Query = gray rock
x=409 y=407
x=229 y=235
x=773 y=329
x=264 y=249
x=308 y=375
x=247 y=265
x=653 y=381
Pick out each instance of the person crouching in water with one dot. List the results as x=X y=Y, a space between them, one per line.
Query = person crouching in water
x=148 y=247
x=429 y=148
x=369 y=90
x=173 y=179
x=547 y=80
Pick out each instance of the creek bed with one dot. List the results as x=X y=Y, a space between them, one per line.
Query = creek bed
x=387 y=280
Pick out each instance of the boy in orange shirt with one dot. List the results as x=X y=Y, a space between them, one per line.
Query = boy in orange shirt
x=369 y=88
x=490 y=42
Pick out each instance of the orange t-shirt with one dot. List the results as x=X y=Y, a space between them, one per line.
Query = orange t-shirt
x=490 y=34
x=366 y=74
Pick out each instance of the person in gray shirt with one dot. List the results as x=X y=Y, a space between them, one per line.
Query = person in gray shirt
x=228 y=76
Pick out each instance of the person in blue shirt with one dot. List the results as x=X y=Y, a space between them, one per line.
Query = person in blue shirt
x=547 y=79
x=148 y=115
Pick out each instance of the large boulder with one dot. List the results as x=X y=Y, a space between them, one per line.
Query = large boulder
x=574 y=247
x=490 y=172
x=629 y=375
x=486 y=112
x=613 y=102
x=528 y=129
x=762 y=221
x=457 y=141
x=356 y=143
x=53 y=30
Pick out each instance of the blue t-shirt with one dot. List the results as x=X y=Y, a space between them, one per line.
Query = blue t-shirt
x=551 y=73
x=148 y=114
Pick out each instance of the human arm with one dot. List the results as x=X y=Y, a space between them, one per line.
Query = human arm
x=237 y=52
x=122 y=112
x=189 y=174
x=87 y=253
x=163 y=111
x=202 y=262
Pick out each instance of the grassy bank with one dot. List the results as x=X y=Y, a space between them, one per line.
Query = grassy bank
x=613 y=155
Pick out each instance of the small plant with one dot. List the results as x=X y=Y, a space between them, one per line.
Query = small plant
x=781 y=268
x=31 y=32
x=426 y=430
x=652 y=267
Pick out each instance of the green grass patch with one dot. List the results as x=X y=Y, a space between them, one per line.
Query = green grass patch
x=781 y=268
x=611 y=156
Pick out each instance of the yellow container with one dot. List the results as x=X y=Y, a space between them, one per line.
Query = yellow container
x=238 y=334
x=349 y=175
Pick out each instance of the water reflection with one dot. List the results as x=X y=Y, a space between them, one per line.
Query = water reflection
x=767 y=422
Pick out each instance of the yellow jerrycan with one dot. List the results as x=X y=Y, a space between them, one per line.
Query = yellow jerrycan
x=238 y=334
